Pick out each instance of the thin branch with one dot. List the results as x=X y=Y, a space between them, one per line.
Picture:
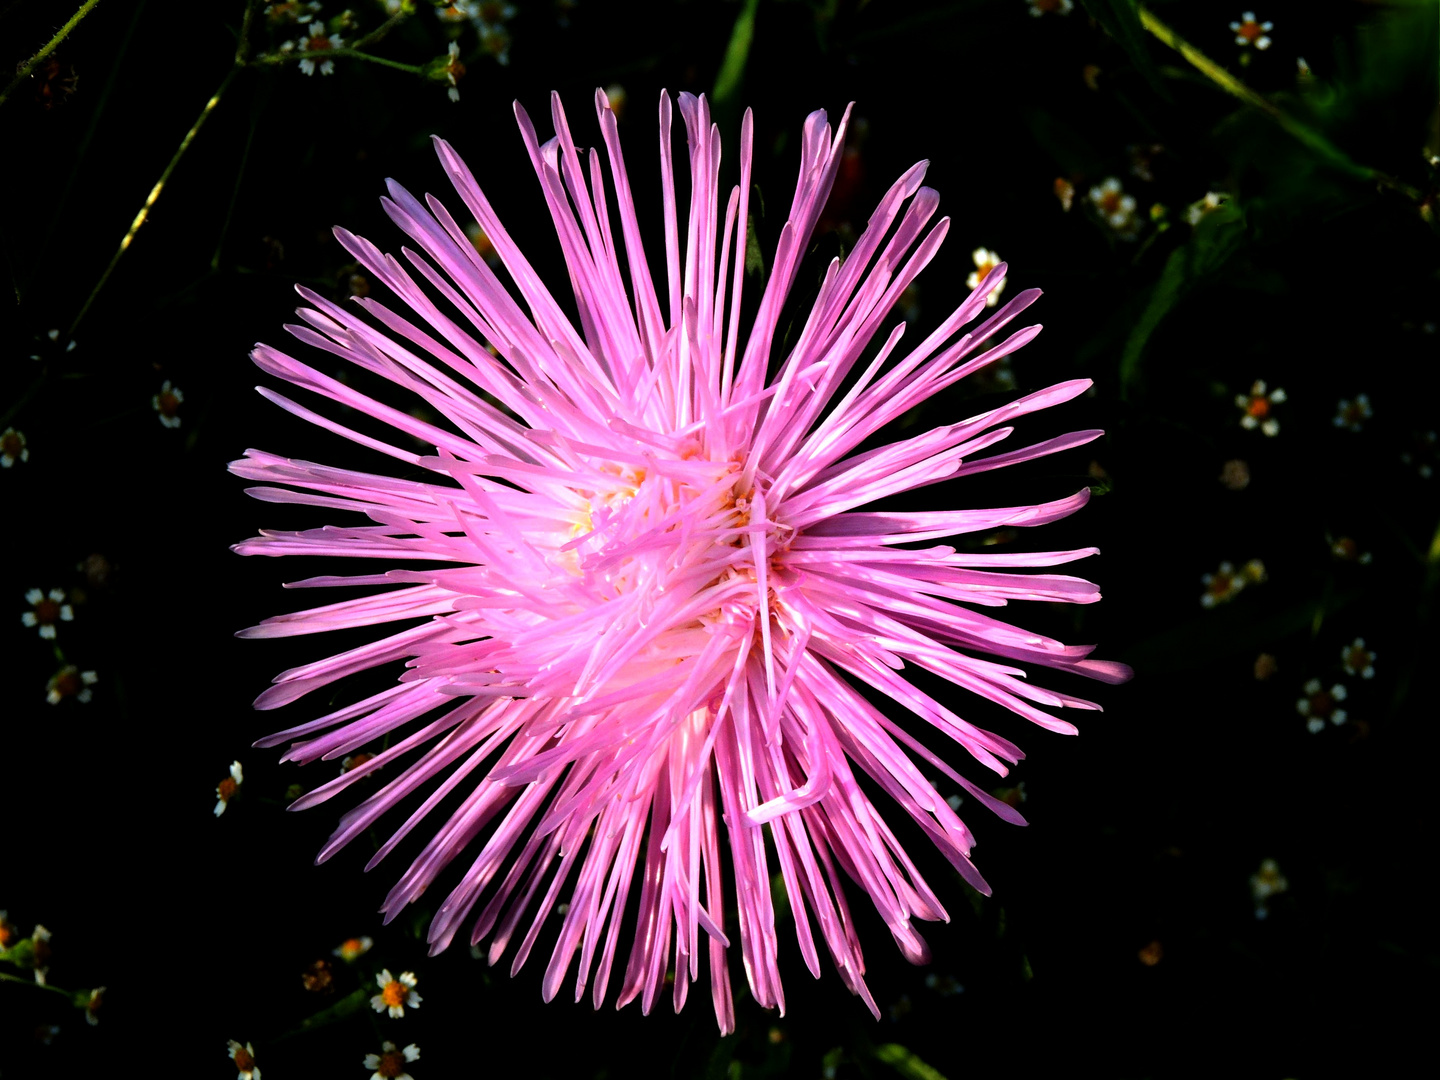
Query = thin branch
x=30 y=65
x=144 y=213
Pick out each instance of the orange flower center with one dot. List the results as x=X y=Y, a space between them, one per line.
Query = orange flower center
x=67 y=684
x=226 y=788
x=1109 y=202
x=392 y=1062
x=351 y=949
x=12 y=444
x=168 y=404
x=317 y=43
x=1321 y=704
x=47 y=611
x=394 y=993
x=1250 y=31
x=243 y=1060
x=1259 y=407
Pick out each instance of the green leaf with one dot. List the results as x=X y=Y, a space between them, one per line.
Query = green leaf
x=732 y=68
x=1218 y=236
x=342 y=1009
x=905 y=1063
x=1121 y=20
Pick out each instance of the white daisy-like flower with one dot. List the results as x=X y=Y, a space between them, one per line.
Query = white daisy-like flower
x=40 y=944
x=1213 y=200
x=226 y=789
x=46 y=609
x=395 y=994
x=1257 y=406
x=986 y=261
x=70 y=681
x=244 y=1058
x=167 y=403
x=351 y=949
x=320 y=42
x=1249 y=31
x=12 y=447
x=1319 y=705
x=390 y=1063
x=1358 y=660
x=1222 y=586
x=1351 y=415
x=1117 y=208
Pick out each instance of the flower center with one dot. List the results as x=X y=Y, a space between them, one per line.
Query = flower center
x=392 y=1063
x=394 y=993
x=1259 y=407
x=1250 y=31
x=243 y=1060
x=226 y=788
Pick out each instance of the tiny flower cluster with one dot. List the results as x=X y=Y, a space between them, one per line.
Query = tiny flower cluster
x=1320 y=705
x=1226 y=582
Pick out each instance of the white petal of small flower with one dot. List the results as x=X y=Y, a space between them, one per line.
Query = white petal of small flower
x=236 y=773
x=28 y=618
x=1338 y=717
x=411 y=1052
x=48 y=632
x=1338 y=692
x=34 y=596
x=1315 y=725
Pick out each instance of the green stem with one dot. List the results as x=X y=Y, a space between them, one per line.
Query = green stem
x=30 y=65
x=1300 y=131
x=4 y=977
x=331 y=54
x=144 y=213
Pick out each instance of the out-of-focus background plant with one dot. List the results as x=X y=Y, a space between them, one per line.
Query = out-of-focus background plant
x=1234 y=216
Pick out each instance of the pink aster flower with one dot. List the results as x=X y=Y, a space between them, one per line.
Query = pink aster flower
x=642 y=596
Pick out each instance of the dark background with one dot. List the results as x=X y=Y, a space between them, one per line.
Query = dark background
x=1318 y=276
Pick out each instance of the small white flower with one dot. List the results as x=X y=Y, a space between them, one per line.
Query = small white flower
x=70 y=681
x=1257 y=406
x=167 y=403
x=1319 y=705
x=986 y=261
x=1213 y=200
x=244 y=1058
x=1118 y=209
x=1351 y=415
x=12 y=447
x=352 y=949
x=1358 y=660
x=390 y=1063
x=1250 y=32
x=46 y=610
x=395 y=994
x=226 y=789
